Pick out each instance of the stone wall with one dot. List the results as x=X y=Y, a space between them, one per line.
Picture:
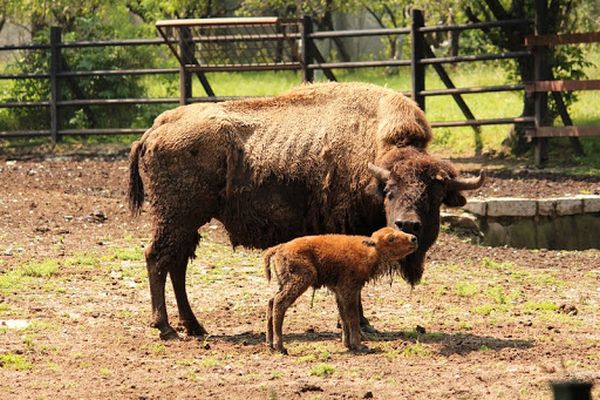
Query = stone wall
x=569 y=223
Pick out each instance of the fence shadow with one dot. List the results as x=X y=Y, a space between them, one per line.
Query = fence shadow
x=452 y=343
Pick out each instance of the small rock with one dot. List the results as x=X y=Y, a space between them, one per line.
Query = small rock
x=568 y=309
x=8 y=252
x=42 y=229
x=368 y=395
x=206 y=346
x=310 y=388
x=420 y=330
x=550 y=369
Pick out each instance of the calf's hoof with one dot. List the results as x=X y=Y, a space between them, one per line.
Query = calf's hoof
x=360 y=348
x=281 y=349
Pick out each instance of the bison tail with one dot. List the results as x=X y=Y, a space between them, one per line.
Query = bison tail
x=267 y=258
x=136 y=186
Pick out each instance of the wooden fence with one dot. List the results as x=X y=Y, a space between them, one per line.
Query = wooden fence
x=291 y=44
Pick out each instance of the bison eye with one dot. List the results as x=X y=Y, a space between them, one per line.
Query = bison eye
x=391 y=238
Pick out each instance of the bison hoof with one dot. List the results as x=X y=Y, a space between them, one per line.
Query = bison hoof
x=169 y=334
x=283 y=351
x=368 y=329
x=195 y=330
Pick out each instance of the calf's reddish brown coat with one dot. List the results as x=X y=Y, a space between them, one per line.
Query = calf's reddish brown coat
x=342 y=263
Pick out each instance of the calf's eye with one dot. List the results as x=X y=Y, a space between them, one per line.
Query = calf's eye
x=391 y=238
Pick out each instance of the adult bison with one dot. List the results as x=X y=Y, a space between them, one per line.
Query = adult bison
x=272 y=169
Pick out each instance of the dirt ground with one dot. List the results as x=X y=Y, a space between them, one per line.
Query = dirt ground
x=486 y=323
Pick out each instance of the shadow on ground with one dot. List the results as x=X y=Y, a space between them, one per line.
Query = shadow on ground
x=452 y=343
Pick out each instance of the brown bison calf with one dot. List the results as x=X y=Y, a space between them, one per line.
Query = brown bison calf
x=342 y=263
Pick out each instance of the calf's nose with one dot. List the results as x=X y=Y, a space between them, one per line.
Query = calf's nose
x=413 y=239
x=408 y=226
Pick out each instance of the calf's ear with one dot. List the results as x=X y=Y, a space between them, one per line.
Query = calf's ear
x=454 y=199
x=368 y=243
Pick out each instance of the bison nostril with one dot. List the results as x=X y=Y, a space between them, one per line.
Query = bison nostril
x=413 y=239
x=408 y=226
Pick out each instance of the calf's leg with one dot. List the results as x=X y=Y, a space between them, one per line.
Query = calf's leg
x=292 y=286
x=270 y=322
x=348 y=303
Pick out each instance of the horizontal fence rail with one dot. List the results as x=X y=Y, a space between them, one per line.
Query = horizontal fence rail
x=182 y=37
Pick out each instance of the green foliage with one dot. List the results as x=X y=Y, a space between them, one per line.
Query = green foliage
x=322 y=370
x=14 y=361
x=98 y=25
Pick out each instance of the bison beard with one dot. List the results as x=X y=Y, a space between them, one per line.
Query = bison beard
x=278 y=168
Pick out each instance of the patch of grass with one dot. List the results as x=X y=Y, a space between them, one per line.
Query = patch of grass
x=465 y=326
x=209 y=362
x=497 y=266
x=489 y=309
x=276 y=375
x=322 y=370
x=104 y=372
x=39 y=326
x=466 y=289
x=128 y=254
x=52 y=366
x=532 y=307
x=415 y=350
x=15 y=361
x=82 y=259
x=157 y=348
x=548 y=280
x=53 y=287
x=25 y=274
x=28 y=342
x=309 y=358
x=41 y=269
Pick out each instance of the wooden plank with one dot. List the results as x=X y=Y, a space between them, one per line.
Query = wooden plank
x=563 y=131
x=562 y=86
x=565 y=38
x=218 y=21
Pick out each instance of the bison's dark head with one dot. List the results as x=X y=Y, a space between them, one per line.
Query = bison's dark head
x=413 y=185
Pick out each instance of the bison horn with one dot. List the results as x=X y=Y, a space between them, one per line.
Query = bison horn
x=466 y=183
x=380 y=173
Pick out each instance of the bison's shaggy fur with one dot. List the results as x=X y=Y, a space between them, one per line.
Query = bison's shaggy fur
x=341 y=263
x=275 y=169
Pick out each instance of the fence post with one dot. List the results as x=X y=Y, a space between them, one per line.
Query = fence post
x=55 y=63
x=185 y=77
x=307 y=49
x=540 y=73
x=417 y=53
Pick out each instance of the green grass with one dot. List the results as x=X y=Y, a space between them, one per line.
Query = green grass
x=40 y=269
x=14 y=361
x=26 y=274
x=323 y=370
x=466 y=289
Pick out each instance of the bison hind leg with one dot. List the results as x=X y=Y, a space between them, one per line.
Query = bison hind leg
x=171 y=249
